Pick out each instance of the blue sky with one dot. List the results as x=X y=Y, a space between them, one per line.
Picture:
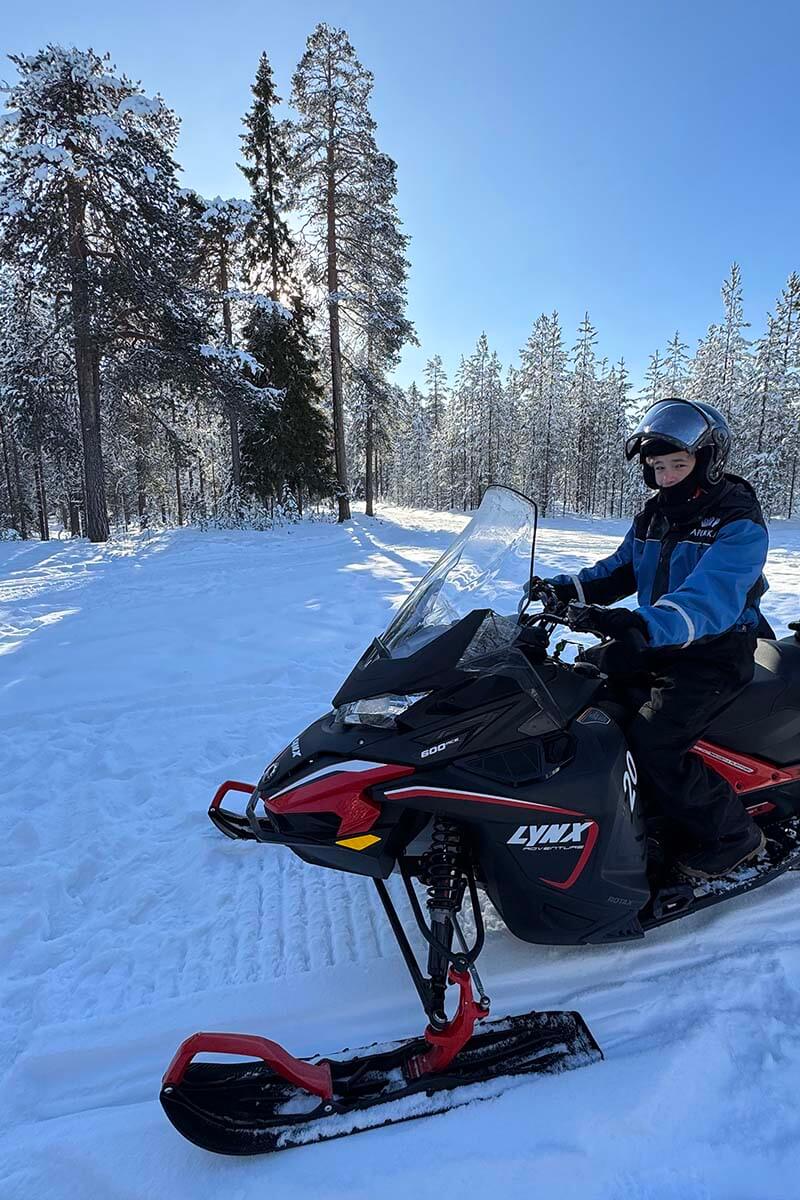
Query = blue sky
x=611 y=156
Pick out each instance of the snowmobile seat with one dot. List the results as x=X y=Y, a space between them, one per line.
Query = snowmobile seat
x=764 y=719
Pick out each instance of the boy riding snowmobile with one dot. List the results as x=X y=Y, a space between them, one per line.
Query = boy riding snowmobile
x=695 y=556
x=463 y=755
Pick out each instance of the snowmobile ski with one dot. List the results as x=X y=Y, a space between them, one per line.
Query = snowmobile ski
x=253 y=1108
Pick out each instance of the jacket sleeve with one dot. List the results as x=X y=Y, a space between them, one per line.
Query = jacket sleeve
x=609 y=579
x=713 y=597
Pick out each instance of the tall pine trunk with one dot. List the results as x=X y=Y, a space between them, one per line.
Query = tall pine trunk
x=87 y=367
x=369 y=474
x=176 y=451
x=23 y=517
x=342 y=490
x=41 y=496
x=233 y=420
x=141 y=472
x=14 y=499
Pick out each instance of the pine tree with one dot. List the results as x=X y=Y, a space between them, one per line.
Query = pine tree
x=88 y=211
x=219 y=230
x=376 y=272
x=333 y=137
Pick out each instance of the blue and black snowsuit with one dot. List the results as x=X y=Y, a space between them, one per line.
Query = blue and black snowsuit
x=697 y=570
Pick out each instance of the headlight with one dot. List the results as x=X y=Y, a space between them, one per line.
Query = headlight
x=377 y=710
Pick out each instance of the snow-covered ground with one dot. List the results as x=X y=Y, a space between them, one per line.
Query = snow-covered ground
x=137 y=675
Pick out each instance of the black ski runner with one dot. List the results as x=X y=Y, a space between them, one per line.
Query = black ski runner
x=247 y=1108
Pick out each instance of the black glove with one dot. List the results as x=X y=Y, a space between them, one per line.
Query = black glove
x=613 y=623
x=564 y=592
x=615 y=658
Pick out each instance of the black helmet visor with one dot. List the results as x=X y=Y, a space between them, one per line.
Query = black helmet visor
x=682 y=425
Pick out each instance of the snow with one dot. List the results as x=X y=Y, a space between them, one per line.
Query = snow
x=141 y=106
x=51 y=154
x=10 y=206
x=242 y=358
x=108 y=130
x=134 y=677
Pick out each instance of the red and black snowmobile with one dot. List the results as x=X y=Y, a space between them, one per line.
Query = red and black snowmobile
x=463 y=755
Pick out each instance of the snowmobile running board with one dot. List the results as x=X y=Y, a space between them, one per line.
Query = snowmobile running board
x=258 y=1107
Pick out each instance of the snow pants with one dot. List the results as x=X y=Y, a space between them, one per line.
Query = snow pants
x=688 y=688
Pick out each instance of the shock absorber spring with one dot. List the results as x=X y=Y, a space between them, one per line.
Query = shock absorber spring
x=443 y=872
x=443 y=867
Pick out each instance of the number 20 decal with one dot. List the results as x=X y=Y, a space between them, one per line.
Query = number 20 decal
x=629 y=781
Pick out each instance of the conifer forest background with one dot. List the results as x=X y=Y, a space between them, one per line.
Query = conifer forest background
x=168 y=358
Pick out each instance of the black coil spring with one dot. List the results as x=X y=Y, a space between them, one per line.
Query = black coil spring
x=443 y=866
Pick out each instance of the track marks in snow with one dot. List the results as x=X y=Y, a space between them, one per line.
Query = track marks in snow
x=128 y=920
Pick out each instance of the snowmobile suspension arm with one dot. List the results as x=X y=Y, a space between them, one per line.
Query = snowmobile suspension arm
x=417 y=978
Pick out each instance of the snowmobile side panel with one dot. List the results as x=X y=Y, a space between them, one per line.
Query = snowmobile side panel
x=246 y=1108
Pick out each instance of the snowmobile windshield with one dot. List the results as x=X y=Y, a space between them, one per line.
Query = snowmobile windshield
x=674 y=421
x=486 y=567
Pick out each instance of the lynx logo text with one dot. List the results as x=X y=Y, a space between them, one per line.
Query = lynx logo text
x=551 y=837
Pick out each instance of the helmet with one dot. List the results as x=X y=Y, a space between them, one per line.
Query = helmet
x=683 y=425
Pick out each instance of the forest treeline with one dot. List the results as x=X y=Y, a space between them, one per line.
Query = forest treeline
x=168 y=358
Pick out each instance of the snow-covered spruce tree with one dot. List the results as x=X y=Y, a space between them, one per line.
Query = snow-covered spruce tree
x=87 y=187
x=285 y=444
x=410 y=458
x=436 y=401
x=540 y=430
x=582 y=407
x=676 y=363
x=269 y=250
x=654 y=378
x=720 y=369
x=374 y=280
x=764 y=414
x=787 y=318
x=769 y=414
x=331 y=139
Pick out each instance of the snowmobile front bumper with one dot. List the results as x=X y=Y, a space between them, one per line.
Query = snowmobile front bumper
x=249 y=827
x=258 y=1107
x=236 y=825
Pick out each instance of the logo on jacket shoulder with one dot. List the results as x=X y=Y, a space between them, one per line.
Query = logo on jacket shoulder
x=706 y=528
x=550 y=837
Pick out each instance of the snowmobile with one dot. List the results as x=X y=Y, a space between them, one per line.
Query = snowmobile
x=464 y=755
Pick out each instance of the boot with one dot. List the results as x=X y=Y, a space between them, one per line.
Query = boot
x=723 y=856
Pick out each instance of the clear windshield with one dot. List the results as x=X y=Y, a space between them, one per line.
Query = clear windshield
x=487 y=566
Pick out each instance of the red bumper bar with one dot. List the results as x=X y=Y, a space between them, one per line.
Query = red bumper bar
x=230 y=785
x=313 y=1078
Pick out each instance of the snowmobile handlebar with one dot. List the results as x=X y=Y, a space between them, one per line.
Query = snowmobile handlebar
x=571 y=614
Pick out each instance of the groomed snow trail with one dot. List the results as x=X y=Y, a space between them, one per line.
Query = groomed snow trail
x=134 y=677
